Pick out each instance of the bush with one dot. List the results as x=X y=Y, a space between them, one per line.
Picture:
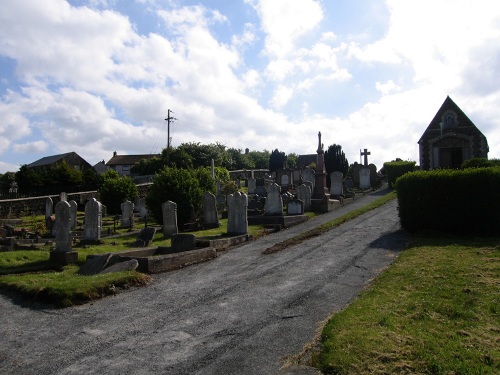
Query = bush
x=450 y=201
x=185 y=187
x=396 y=169
x=115 y=190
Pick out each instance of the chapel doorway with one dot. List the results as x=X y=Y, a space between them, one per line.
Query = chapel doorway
x=451 y=157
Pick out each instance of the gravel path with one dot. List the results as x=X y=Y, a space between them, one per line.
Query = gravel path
x=241 y=313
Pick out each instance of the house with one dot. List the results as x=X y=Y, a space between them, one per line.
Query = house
x=450 y=139
x=123 y=163
x=71 y=158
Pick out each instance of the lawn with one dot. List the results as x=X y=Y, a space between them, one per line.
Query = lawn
x=436 y=310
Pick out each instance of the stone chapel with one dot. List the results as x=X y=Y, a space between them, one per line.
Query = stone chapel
x=450 y=139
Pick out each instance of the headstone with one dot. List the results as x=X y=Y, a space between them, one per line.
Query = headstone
x=73 y=212
x=140 y=206
x=365 y=153
x=127 y=265
x=104 y=210
x=49 y=207
x=145 y=236
x=349 y=184
x=308 y=176
x=210 y=217
x=63 y=230
x=336 y=187
x=94 y=265
x=296 y=177
x=304 y=193
x=295 y=207
x=274 y=202
x=237 y=220
x=285 y=181
x=373 y=174
x=260 y=188
x=63 y=196
x=93 y=221
x=127 y=214
x=169 y=210
x=364 y=179
x=355 y=173
x=251 y=185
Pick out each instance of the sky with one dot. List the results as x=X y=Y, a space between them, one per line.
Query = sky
x=98 y=76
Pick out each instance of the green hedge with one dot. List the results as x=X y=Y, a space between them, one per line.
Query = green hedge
x=395 y=169
x=451 y=201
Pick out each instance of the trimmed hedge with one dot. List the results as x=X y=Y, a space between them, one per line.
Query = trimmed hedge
x=395 y=169
x=450 y=201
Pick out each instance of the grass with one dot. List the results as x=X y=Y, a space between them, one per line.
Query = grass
x=436 y=310
x=28 y=273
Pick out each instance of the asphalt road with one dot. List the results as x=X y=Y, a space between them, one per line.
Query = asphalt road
x=241 y=313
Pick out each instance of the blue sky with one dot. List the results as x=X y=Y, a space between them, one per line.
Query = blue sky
x=97 y=76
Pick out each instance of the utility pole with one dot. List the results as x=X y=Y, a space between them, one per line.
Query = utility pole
x=168 y=119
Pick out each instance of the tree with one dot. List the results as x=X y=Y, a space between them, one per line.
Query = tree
x=277 y=160
x=291 y=160
x=260 y=159
x=335 y=160
x=29 y=181
x=115 y=190
x=6 y=181
x=182 y=186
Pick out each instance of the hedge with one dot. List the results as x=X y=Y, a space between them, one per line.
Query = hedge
x=395 y=169
x=450 y=201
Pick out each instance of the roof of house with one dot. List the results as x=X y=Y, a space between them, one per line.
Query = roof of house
x=129 y=159
x=49 y=160
x=306 y=160
x=462 y=119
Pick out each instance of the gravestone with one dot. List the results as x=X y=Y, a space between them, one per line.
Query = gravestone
x=73 y=212
x=274 y=202
x=63 y=230
x=260 y=188
x=365 y=154
x=355 y=173
x=336 y=187
x=145 y=236
x=94 y=265
x=373 y=175
x=251 y=185
x=210 y=217
x=296 y=177
x=308 y=176
x=364 y=179
x=169 y=210
x=295 y=207
x=127 y=219
x=285 y=182
x=237 y=220
x=63 y=196
x=140 y=206
x=93 y=221
x=127 y=265
x=304 y=194
x=49 y=207
x=183 y=242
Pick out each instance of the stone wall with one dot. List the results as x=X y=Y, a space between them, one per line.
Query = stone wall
x=14 y=208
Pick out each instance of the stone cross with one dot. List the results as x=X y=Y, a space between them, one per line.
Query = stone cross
x=365 y=153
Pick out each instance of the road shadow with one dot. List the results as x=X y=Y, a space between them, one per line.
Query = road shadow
x=394 y=241
x=381 y=193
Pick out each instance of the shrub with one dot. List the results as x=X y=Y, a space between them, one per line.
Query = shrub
x=185 y=187
x=115 y=190
x=395 y=169
x=450 y=201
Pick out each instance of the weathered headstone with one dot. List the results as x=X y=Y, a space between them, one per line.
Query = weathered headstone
x=364 y=179
x=145 y=236
x=308 y=176
x=95 y=265
x=63 y=196
x=210 y=217
x=336 y=187
x=237 y=221
x=274 y=202
x=296 y=177
x=285 y=181
x=355 y=173
x=63 y=230
x=73 y=212
x=295 y=207
x=140 y=206
x=93 y=221
x=183 y=242
x=169 y=210
x=127 y=214
x=49 y=207
x=127 y=265
x=304 y=193
x=251 y=185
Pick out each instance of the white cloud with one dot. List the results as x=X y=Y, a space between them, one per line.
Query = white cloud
x=285 y=21
x=31 y=147
x=387 y=87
